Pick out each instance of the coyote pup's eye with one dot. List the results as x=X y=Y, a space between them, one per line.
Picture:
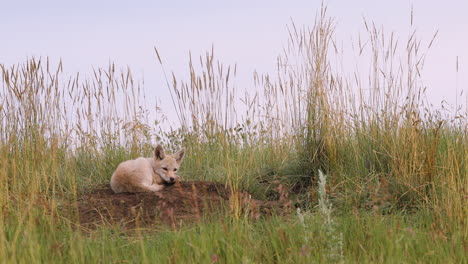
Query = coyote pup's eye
x=175 y=169
x=164 y=169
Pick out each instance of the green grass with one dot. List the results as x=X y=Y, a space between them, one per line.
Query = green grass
x=396 y=170
x=367 y=238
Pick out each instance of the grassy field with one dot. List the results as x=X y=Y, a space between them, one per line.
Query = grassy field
x=394 y=187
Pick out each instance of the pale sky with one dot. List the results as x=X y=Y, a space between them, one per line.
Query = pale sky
x=86 y=34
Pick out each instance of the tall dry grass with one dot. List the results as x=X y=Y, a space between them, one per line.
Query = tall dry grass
x=380 y=141
x=386 y=152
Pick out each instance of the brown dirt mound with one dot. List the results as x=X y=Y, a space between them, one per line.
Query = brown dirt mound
x=180 y=203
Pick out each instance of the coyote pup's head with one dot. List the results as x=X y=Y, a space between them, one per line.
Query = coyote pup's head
x=166 y=165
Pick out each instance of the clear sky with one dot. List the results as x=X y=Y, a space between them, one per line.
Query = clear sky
x=86 y=34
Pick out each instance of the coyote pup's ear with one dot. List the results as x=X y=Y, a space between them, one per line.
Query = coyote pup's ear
x=159 y=152
x=179 y=156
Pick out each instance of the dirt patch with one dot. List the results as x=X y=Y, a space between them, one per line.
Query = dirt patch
x=180 y=203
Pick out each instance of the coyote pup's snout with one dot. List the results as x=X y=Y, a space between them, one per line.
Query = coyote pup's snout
x=147 y=174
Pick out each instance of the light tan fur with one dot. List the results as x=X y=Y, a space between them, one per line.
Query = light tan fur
x=147 y=174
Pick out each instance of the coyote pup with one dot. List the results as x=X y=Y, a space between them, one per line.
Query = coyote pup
x=147 y=174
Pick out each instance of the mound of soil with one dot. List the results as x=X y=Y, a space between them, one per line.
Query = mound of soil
x=183 y=202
